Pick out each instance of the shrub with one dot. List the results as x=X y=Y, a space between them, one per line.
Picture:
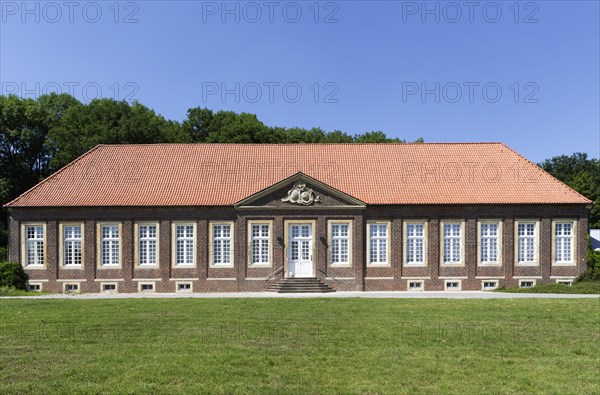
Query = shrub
x=593 y=265
x=3 y=254
x=13 y=275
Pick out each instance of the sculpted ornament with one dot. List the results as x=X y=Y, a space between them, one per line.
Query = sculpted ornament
x=301 y=194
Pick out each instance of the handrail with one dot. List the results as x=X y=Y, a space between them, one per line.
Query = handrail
x=274 y=273
x=326 y=275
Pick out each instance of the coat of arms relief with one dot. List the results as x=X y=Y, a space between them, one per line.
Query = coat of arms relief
x=302 y=195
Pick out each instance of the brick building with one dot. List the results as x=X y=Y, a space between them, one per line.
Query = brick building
x=202 y=218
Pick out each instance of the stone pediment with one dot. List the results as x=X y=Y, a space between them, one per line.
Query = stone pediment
x=300 y=191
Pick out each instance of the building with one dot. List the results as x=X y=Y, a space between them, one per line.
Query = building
x=217 y=217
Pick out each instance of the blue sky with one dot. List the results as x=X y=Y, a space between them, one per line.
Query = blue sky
x=524 y=73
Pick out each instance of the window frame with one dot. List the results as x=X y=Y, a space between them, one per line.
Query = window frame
x=36 y=283
x=388 y=239
x=565 y=280
x=104 y=283
x=99 y=240
x=405 y=224
x=573 y=222
x=174 y=226
x=211 y=242
x=483 y=288
x=452 y=280
x=499 y=239
x=461 y=223
x=61 y=247
x=420 y=289
x=190 y=283
x=250 y=239
x=532 y=280
x=330 y=239
x=536 y=242
x=141 y=283
x=24 y=254
x=69 y=283
x=137 y=240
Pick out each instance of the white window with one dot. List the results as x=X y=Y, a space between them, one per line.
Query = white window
x=563 y=242
x=378 y=243
x=34 y=287
x=147 y=244
x=146 y=287
x=184 y=244
x=183 y=286
x=260 y=234
x=109 y=287
x=488 y=285
x=489 y=242
x=34 y=249
x=222 y=244
x=339 y=243
x=526 y=283
x=452 y=243
x=527 y=242
x=110 y=248
x=72 y=245
x=415 y=244
x=71 y=287
x=452 y=285
x=416 y=285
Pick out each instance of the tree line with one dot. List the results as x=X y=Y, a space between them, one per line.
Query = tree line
x=39 y=136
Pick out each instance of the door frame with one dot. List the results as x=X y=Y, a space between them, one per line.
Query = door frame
x=286 y=231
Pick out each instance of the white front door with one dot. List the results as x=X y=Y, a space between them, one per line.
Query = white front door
x=300 y=254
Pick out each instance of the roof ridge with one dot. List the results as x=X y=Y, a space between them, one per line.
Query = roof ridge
x=544 y=172
x=307 y=144
x=53 y=175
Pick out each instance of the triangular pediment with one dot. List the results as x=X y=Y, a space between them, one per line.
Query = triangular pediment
x=300 y=191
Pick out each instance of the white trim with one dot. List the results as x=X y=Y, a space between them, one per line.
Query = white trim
x=330 y=224
x=497 y=282
x=490 y=277
x=24 y=260
x=36 y=280
x=76 y=280
x=379 y=278
x=453 y=277
x=174 y=226
x=454 y=280
x=221 y=279
x=461 y=241
x=415 y=278
x=36 y=283
x=211 y=241
x=178 y=283
x=527 y=277
x=104 y=283
x=499 y=239
x=255 y=279
x=141 y=283
x=405 y=224
x=71 y=282
x=533 y=280
x=185 y=279
x=109 y=279
x=565 y=280
x=573 y=261
x=99 y=264
x=536 y=242
x=340 y=278
x=61 y=245
x=146 y=279
x=250 y=242
x=136 y=245
x=552 y=277
x=314 y=250
x=388 y=243
x=420 y=289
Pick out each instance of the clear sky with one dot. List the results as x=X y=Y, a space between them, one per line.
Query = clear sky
x=524 y=73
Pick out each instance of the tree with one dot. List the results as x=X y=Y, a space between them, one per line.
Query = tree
x=376 y=137
x=581 y=174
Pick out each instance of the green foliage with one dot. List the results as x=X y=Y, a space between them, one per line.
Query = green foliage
x=13 y=275
x=579 y=287
x=593 y=265
x=580 y=173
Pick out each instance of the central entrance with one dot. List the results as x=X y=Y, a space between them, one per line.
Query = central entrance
x=300 y=250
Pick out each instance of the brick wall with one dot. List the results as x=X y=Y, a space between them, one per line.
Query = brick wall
x=244 y=278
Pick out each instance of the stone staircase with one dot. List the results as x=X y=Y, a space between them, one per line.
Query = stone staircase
x=300 y=285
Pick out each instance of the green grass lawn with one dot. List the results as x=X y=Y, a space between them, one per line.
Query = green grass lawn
x=321 y=346
x=583 y=287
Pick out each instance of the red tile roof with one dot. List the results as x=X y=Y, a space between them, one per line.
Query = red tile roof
x=223 y=174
